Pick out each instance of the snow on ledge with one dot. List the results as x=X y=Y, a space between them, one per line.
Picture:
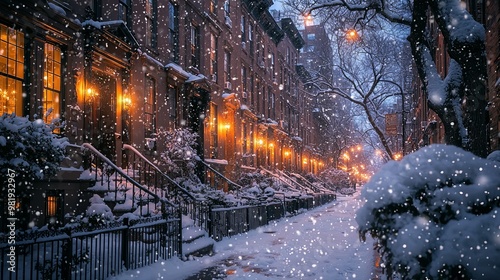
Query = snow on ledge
x=216 y=161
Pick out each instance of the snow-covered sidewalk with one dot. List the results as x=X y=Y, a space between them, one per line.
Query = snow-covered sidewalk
x=319 y=244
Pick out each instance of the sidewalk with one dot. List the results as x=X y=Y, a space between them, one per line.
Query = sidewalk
x=320 y=244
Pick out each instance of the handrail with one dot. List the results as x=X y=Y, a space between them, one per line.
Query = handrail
x=188 y=204
x=137 y=153
x=218 y=173
x=319 y=179
x=295 y=181
x=278 y=177
x=123 y=174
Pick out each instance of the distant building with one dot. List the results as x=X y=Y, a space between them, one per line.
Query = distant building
x=317 y=54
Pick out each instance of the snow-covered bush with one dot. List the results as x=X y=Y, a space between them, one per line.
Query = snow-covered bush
x=339 y=179
x=495 y=156
x=435 y=215
x=179 y=155
x=347 y=191
x=29 y=148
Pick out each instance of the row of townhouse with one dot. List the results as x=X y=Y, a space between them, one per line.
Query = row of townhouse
x=119 y=71
x=427 y=128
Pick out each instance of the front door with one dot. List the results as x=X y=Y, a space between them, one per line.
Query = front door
x=104 y=115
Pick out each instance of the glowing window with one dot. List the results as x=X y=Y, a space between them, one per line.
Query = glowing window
x=11 y=70
x=52 y=83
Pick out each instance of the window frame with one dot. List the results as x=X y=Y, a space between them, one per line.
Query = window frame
x=12 y=77
x=151 y=16
x=149 y=108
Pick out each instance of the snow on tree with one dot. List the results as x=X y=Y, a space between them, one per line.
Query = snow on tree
x=179 y=156
x=458 y=98
x=435 y=215
x=30 y=149
x=336 y=177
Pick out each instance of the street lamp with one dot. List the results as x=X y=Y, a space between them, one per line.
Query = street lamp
x=352 y=35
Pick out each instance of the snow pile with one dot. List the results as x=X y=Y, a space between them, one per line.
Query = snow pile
x=99 y=209
x=435 y=214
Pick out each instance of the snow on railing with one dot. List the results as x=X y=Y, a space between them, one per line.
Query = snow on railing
x=219 y=174
x=189 y=205
x=126 y=177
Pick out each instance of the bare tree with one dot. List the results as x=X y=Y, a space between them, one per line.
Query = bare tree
x=367 y=77
x=459 y=98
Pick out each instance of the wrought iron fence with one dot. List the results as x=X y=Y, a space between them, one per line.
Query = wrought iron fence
x=96 y=254
x=236 y=220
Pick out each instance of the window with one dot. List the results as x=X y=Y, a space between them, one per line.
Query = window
x=52 y=83
x=212 y=124
x=227 y=8
x=273 y=73
x=150 y=108
x=194 y=41
x=54 y=207
x=311 y=36
x=11 y=70
x=243 y=79
x=310 y=48
x=96 y=6
x=151 y=23
x=213 y=6
x=250 y=39
x=173 y=27
x=245 y=142
x=172 y=101
x=213 y=56
x=124 y=11
x=243 y=32
x=271 y=112
x=227 y=66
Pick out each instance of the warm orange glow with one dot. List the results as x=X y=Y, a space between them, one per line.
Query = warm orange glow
x=346 y=156
x=227 y=126
x=398 y=156
x=92 y=93
x=308 y=20
x=287 y=153
x=271 y=145
x=127 y=102
x=352 y=35
x=260 y=142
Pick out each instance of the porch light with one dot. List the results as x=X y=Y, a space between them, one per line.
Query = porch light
x=287 y=153
x=127 y=102
x=92 y=93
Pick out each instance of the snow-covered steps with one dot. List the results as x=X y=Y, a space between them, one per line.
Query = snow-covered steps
x=195 y=240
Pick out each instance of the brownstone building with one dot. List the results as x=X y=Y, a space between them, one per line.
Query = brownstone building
x=118 y=72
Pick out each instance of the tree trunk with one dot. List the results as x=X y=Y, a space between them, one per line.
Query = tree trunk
x=471 y=92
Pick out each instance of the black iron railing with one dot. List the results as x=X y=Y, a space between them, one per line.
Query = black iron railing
x=219 y=180
x=88 y=254
x=147 y=173
x=120 y=186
